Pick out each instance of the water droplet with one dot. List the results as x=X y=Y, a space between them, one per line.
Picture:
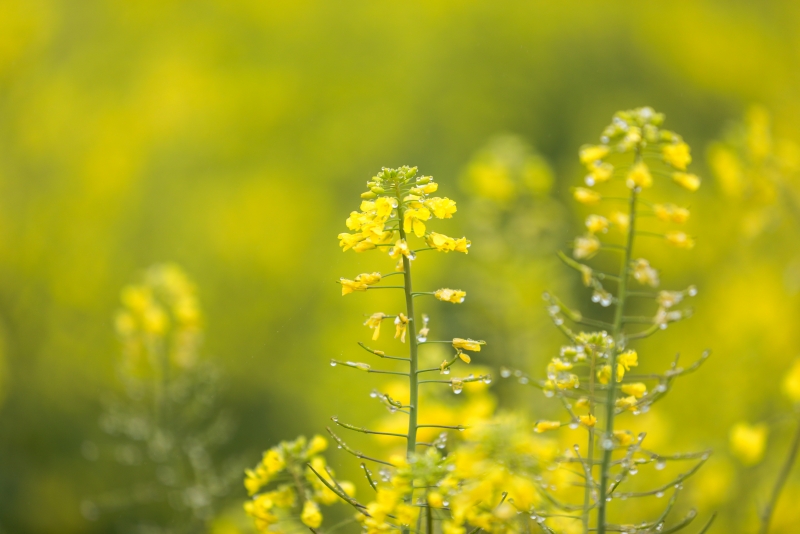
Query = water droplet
x=333 y=363
x=505 y=372
x=573 y=425
x=461 y=299
x=422 y=339
x=558 y=321
x=659 y=494
x=633 y=470
x=461 y=429
x=373 y=393
x=412 y=256
x=606 y=444
x=548 y=393
x=663 y=326
x=692 y=291
x=487 y=380
x=604 y=139
x=608 y=499
x=446 y=371
x=335 y=418
x=589 y=180
x=339 y=446
x=660 y=465
x=523 y=380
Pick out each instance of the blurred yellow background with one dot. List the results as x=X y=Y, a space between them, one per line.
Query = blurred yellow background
x=233 y=137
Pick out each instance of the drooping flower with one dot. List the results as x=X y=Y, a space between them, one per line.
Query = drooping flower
x=401 y=327
x=400 y=249
x=374 y=321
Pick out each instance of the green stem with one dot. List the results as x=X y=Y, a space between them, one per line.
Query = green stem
x=608 y=434
x=587 y=494
x=413 y=386
x=766 y=515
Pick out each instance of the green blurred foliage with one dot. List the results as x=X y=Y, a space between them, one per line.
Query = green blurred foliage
x=232 y=136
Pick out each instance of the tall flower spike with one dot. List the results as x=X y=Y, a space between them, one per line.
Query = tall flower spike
x=596 y=368
x=396 y=213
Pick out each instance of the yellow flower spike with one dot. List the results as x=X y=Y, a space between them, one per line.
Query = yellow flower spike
x=596 y=224
x=401 y=327
x=400 y=249
x=686 y=180
x=588 y=420
x=350 y=286
x=468 y=344
x=628 y=359
x=311 y=516
x=591 y=153
x=620 y=220
x=623 y=437
x=585 y=247
x=544 y=426
x=635 y=389
x=677 y=155
x=679 y=240
x=791 y=384
x=413 y=219
x=748 y=442
x=441 y=208
x=644 y=273
x=374 y=321
x=639 y=176
x=586 y=196
x=456 y=296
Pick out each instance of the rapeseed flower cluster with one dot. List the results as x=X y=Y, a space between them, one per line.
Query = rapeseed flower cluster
x=299 y=481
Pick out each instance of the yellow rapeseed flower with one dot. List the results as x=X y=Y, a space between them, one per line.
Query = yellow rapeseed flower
x=586 y=196
x=635 y=389
x=468 y=344
x=317 y=445
x=399 y=249
x=748 y=442
x=585 y=246
x=628 y=359
x=686 y=180
x=414 y=219
x=544 y=426
x=444 y=243
x=588 y=420
x=639 y=176
x=679 y=240
x=677 y=155
x=591 y=153
x=644 y=273
x=374 y=321
x=311 y=516
x=442 y=208
x=596 y=224
x=401 y=327
x=456 y=296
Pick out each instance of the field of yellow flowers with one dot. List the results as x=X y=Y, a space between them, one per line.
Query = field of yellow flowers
x=434 y=267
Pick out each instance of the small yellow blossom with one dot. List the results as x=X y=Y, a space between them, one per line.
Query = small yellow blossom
x=399 y=249
x=748 y=442
x=686 y=180
x=544 y=426
x=596 y=224
x=430 y=187
x=364 y=246
x=583 y=402
x=311 y=516
x=591 y=153
x=273 y=461
x=347 y=241
x=599 y=173
x=644 y=273
x=671 y=213
x=558 y=365
x=586 y=196
x=349 y=286
x=374 y=321
x=627 y=403
x=604 y=373
x=435 y=499
x=369 y=278
x=628 y=359
x=639 y=176
x=467 y=344
x=456 y=296
x=623 y=437
x=620 y=220
x=401 y=327
x=588 y=420
x=317 y=445
x=679 y=240
x=635 y=389
x=791 y=384
x=414 y=219
x=677 y=155
x=443 y=243
x=383 y=207
x=442 y=208
x=585 y=246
